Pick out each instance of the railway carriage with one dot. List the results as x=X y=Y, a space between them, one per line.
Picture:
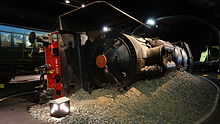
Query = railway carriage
x=18 y=56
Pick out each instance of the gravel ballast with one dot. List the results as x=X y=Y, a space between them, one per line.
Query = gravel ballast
x=177 y=97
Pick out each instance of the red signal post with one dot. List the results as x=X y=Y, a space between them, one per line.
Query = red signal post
x=52 y=56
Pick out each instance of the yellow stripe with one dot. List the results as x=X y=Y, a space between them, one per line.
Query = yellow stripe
x=205 y=75
x=218 y=76
x=2 y=86
x=51 y=71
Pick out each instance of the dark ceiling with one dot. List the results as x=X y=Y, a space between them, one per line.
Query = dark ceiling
x=42 y=14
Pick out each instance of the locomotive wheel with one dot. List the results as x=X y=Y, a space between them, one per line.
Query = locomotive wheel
x=114 y=60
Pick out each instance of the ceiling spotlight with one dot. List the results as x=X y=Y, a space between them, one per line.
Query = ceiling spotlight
x=67 y=1
x=83 y=5
x=151 y=22
x=105 y=29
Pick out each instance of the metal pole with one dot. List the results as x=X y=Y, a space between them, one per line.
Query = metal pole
x=78 y=44
x=218 y=75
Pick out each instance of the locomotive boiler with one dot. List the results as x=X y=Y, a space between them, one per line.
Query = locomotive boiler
x=120 y=59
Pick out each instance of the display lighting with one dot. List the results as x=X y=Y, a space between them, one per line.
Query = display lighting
x=60 y=107
x=105 y=29
x=67 y=1
x=151 y=22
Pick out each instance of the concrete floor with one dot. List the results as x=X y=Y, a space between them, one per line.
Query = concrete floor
x=14 y=111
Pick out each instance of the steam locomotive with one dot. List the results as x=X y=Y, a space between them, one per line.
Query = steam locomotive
x=112 y=59
x=79 y=55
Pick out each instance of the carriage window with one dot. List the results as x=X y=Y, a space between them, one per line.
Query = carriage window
x=18 y=40
x=5 y=39
x=27 y=43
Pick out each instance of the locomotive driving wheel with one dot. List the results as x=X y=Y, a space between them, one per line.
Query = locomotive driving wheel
x=113 y=60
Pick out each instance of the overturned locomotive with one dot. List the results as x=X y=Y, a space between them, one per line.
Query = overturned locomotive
x=79 y=55
x=121 y=59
